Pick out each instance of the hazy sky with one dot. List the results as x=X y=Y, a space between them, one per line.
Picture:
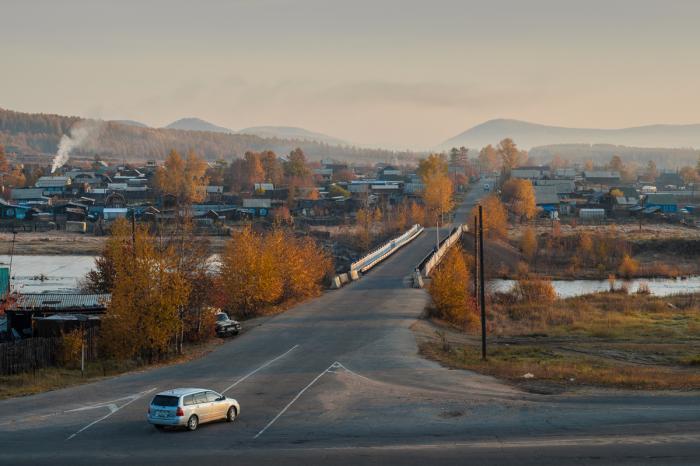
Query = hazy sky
x=400 y=73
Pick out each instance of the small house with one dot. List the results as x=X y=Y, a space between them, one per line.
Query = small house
x=665 y=203
x=26 y=308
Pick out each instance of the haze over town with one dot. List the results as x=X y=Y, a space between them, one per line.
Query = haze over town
x=397 y=74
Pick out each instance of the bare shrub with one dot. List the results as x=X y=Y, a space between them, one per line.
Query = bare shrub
x=535 y=291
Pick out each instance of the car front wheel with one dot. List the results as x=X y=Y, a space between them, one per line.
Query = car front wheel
x=231 y=414
x=192 y=423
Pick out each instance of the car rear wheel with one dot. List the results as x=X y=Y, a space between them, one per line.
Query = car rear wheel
x=231 y=414
x=192 y=423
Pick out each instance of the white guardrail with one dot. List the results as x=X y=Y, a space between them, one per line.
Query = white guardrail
x=437 y=256
x=375 y=257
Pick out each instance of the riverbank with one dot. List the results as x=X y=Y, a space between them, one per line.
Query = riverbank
x=59 y=243
x=569 y=252
x=608 y=340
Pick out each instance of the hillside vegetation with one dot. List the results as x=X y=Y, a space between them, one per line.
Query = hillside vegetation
x=31 y=133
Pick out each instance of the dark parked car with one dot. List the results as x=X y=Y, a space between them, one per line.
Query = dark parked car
x=225 y=326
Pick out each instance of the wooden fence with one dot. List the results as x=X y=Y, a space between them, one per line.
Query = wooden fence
x=35 y=353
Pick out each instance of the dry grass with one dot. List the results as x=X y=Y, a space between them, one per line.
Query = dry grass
x=54 y=378
x=513 y=362
x=601 y=315
x=632 y=341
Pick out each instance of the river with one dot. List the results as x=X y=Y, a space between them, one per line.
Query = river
x=47 y=273
x=570 y=288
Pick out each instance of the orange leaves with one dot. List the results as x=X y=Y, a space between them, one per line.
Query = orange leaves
x=520 y=196
x=184 y=178
x=449 y=290
x=148 y=294
x=259 y=271
x=494 y=215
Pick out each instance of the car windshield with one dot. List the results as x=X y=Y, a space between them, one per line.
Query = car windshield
x=222 y=317
x=165 y=400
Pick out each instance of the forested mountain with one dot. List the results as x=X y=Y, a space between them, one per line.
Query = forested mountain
x=197 y=124
x=290 y=132
x=600 y=154
x=30 y=133
x=529 y=135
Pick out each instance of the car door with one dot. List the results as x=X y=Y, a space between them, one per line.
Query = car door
x=218 y=408
x=203 y=406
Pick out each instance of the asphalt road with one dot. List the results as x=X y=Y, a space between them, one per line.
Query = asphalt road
x=338 y=380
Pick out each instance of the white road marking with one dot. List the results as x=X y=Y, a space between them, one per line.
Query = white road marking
x=112 y=409
x=354 y=373
x=284 y=410
x=259 y=369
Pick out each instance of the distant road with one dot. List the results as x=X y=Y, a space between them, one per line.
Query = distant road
x=338 y=380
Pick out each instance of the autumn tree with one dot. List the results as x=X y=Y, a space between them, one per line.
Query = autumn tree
x=520 y=196
x=272 y=168
x=495 y=216
x=259 y=271
x=449 y=290
x=689 y=175
x=183 y=178
x=651 y=172
x=102 y=277
x=528 y=243
x=143 y=318
x=296 y=166
x=434 y=164
x=437 y=194
x=254 y=170
x=489 y=159
x=616 y=164
x=511 y=156
x=416 y=213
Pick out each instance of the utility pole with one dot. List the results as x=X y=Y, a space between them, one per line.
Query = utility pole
x=133 y=232
x=476 y=260
x=482 y=295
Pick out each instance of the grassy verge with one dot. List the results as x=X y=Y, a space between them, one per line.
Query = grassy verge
x=603 y=340
x=541 y=369
x=54 y=378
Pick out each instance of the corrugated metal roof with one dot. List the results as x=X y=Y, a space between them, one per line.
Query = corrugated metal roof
x=60 y=301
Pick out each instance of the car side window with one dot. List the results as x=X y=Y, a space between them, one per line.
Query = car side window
x=188 y=400
x=211 y=396
x=200 y=397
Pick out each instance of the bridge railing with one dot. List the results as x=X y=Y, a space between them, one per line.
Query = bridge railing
x=375 y=257
x=434 y=258
x=382 y=252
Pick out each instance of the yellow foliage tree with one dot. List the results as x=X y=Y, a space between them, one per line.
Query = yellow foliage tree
x=143 y=318
x=495 y=217
x=449 y=289
x=520 y=196
x=434 y=164
x=183 y=178
x=528 y=243
x=250 y=278
x=416 y=213
x=628 y=267
x=258 y=271
x=437 y=194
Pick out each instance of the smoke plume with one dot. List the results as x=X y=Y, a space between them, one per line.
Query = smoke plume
x=79 y=134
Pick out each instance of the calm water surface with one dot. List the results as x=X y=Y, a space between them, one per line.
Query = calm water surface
x=37 y=274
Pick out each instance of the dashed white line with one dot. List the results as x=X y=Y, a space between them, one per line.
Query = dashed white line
x=112 y=409
x=284 y=410
x=259 y=369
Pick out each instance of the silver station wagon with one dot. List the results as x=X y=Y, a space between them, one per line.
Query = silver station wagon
x=189 y=407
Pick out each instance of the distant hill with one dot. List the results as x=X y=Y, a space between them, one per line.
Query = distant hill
x=138 y=124
x=290 y=132
x=197 y=124
x=528 y=135
x=600 y=154
x=39 y=134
